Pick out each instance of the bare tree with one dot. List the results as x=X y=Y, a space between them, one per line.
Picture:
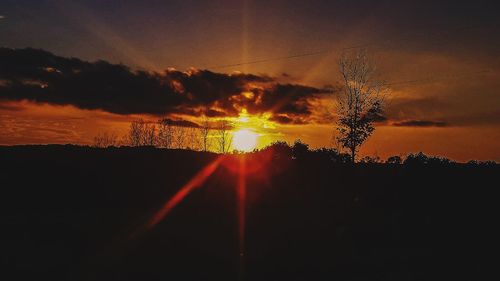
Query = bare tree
x=205 y=133
x=165 y=134
x=105 y=139
x=179 y=137
x=142 y=133
x=360 y=102
x=194 y=140
x=149 y=134
x=174 y=136
x=135 y=133
x=223 y=136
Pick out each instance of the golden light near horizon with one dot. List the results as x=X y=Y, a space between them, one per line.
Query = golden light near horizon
x=245 y=140
x=251 y=131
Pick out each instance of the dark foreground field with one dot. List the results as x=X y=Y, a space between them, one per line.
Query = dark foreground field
x=76 y=213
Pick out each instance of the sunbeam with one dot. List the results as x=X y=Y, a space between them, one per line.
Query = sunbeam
x=196 y=181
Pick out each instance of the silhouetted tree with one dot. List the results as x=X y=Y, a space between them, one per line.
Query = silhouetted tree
x=416 y=159
x=472 y=163
x=440 y=161
x=193 y=139
x=205 y=133
x=360 y=101
x=142 y=133
x=371 y=160
x=331 y=155
x=149 y=135
x=420 y=158
x=105 y=139
x=394 y=160
x=476 y=163
x=300 y=149
x=223 y=136
x=135 y=133
x=171 y=135
x=165 y=134
x=279 y=150
x=179 y=137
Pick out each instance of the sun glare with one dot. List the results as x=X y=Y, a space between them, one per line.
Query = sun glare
x=244 y=140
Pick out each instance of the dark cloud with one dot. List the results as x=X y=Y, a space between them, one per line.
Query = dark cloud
x=416 y=111
x=10 y=107
x=42 y=77
x=414 y=108
x=285 y=119
x=205 y=87
x=214 y=113
x=289 y=99
x=484 y=118
x=421 y=123
x=180 y=123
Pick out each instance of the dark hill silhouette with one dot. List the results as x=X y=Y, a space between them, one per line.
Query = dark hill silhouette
x=73 y=213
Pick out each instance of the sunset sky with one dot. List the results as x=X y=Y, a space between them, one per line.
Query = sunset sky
x=270 y=66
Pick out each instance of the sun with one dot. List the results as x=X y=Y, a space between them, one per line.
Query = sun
x=244 y=140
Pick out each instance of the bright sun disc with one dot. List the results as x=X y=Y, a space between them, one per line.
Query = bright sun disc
x=244 y=140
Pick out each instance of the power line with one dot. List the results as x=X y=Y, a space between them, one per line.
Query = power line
x=267 y=60
x=438 y=78
x=438 y=35
x=360 y=46
x=287 y=57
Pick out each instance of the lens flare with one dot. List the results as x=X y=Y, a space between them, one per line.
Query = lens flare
x=195 y=182
x=241 y=202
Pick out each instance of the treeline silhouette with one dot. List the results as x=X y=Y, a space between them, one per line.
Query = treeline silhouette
x=198 y=139
x=70 y=212
x=300 y=150
x=172 y=134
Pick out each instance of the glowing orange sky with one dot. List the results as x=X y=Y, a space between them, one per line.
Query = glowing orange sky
x=449 y=50
x=42 y=124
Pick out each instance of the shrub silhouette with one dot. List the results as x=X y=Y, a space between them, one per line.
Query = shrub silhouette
x=476 y=163
x=279 y=150
x=394 y=160
x=330 y=155
x=300 y=150
x=370 y=160
x=420 y=159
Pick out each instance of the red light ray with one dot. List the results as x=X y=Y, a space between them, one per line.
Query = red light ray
x=196 y=181
x=237 y=164
x=256 y=163
x=241 y=193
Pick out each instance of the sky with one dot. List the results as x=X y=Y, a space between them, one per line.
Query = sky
x=274 y=60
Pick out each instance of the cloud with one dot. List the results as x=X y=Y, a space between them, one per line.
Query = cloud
x=448 y=110
x=180 y=123
x=414 y=108
x=484 y=118
x=421 y=123
x=285 y=119
x=42 y=77
x=10 y=106
x=416 y=112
